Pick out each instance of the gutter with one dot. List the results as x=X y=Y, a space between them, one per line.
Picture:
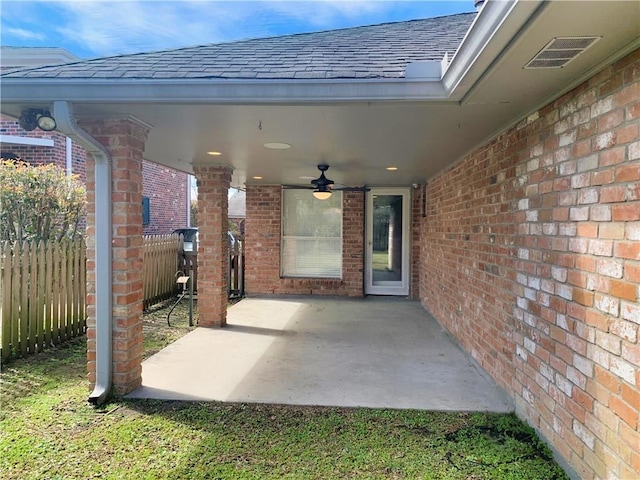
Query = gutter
x=103 y=294
x=216 y=91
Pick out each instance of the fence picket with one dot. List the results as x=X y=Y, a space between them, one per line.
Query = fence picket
x=70 y=310
x=63 y=292
x=75 y=285
x=82 y=284
x=46 y=293
x=40 y=300
x=15 y=296
x=32 y=315
x=55 y=295
x=7 y=293
x=23 y=334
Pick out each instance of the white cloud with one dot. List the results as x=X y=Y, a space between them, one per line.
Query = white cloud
x=117 y=27
x=126 y=27
x=24 y=34
x=324 y=12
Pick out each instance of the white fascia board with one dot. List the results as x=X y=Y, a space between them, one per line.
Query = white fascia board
x=207 y=91
x=492 y=31
x=17 y=140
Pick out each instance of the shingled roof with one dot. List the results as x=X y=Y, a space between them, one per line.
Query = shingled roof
x=377 y=51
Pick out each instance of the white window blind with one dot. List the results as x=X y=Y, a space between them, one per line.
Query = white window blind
x=311 y=235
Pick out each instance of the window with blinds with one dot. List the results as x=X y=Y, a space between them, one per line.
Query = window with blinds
x=311 y=235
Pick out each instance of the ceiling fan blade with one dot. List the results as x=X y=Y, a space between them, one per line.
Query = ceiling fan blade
x=352 y=189
x=298 y=187
x=323 y=183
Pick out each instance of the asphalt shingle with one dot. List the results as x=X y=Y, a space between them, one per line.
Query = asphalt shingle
x=377 y=51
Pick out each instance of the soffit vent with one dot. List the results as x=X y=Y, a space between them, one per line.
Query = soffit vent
x=560 y=51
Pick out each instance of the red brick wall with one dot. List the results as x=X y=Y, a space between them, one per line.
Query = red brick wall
x=262 y=247
x=530 y=256
x=167 y=192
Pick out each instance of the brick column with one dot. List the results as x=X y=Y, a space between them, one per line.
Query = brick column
x=125 y=139
x=213 y=244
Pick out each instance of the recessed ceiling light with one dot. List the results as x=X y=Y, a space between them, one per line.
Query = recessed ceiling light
x=257 y=178
x=214 y=153
x=277 y=145
x=392 y=169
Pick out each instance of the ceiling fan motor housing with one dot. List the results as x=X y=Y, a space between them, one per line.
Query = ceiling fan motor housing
x=322 y=181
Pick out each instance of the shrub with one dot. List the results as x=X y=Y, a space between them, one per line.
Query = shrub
x=39 y=202
x=194 y=213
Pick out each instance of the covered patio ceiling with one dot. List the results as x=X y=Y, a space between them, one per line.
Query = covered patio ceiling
x=359 y=127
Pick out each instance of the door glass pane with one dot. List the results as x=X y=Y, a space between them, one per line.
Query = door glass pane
x=387 y=239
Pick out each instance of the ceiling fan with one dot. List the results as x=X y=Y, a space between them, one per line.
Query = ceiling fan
x=323 y=186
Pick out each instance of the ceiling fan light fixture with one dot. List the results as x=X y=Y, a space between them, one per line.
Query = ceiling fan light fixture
x=321 y=194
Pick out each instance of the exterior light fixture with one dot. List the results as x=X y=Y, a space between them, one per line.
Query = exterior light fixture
x=214 y=153
x=33 y=118
x=392 y=169
x=322 y=193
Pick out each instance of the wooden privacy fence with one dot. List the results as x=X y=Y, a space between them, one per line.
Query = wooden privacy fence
x=236 y=269
x=43 y=290
x=189 y=262
x=160 y=264
x=43 y=287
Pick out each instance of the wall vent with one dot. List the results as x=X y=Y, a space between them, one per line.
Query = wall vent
x=560 y=51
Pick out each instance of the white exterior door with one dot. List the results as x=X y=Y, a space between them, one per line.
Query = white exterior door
x=388 y=241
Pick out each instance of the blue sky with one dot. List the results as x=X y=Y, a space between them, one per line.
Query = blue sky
x=89 y=28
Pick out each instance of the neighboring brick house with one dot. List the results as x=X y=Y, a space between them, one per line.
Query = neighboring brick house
x=515 y=186
x=38 y=147
x=165 y=188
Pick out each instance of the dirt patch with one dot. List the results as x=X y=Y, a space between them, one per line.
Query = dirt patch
x=156 y=330
x=158 y=333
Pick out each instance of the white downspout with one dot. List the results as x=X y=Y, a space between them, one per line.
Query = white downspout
x=69 y=152
x=67 y=125
x=189 y=180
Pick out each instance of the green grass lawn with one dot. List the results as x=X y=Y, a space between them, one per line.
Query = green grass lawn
x=48 y=431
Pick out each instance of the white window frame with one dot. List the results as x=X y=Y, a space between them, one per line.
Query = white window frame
x=291 y=273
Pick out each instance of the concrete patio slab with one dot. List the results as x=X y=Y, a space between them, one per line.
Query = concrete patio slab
x=372 y=352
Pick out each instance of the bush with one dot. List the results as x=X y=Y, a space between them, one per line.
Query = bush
x=194 y=213
x=39 y=202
